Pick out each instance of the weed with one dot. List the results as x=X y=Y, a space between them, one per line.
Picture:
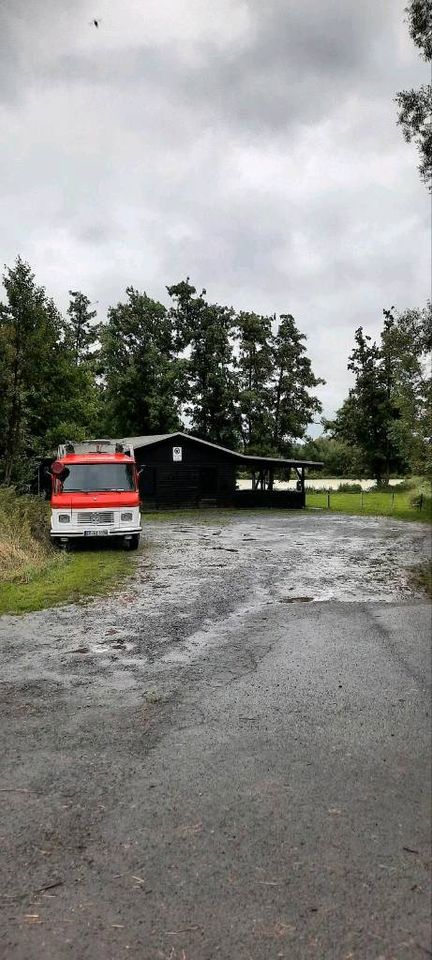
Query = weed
x=33 y=573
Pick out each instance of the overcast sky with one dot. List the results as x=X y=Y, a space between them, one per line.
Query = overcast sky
x=250 y=144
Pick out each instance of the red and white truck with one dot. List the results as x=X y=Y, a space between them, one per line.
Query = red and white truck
x=95 y=493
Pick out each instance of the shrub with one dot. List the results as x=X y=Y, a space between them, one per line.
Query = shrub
x=350 y=488
x=408 y=484
x=24 y=534
x=420 y=501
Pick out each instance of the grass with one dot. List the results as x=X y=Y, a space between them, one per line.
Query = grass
x=401 y=504
x=407 y=504
x=34 y=574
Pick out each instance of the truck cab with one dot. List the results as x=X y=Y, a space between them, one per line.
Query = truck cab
x=94 y=493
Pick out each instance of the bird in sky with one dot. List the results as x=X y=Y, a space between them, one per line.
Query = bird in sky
x=95 y=23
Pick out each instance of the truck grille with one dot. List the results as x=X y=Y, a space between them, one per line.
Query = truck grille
x=96 y=519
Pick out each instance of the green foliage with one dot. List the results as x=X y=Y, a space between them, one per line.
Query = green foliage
x=44 y=390
x=204 y=330
x=142 y=374
x=339 y=458
x=241 y=380
x=81 y=333
x=415 y=106
x=254 y=370
x=33 y=574
x=370 y=417
x=405 y=348
x=294 y=406
x=350 y=488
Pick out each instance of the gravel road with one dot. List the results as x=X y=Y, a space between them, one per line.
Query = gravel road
x=229 y=758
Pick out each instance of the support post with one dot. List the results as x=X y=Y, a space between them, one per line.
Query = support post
x=271 y=478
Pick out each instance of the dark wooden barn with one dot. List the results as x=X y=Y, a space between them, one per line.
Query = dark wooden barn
x=181 y=471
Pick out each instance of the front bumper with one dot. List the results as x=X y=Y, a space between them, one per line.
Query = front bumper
x=67 y=534
x=81 y=524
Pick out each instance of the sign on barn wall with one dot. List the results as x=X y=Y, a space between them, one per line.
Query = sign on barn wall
x=177 y=454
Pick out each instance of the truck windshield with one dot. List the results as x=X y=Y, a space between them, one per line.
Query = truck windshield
x=98 y=477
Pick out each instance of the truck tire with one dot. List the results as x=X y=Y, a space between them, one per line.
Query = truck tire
x=132 y=543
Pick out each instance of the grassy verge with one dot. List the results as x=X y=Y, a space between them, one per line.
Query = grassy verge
x=412 y=504
x=33 y=574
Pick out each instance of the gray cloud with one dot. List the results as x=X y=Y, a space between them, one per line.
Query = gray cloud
x=251 y=145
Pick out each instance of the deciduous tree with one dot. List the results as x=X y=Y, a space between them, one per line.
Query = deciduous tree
x=294 y=405
x=253 y=374
x=81 y=333
x=368 y=417
x=204 y=332
x=415 y=105
x=139 y=366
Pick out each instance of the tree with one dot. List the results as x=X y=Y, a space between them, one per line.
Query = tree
x=81 y=333
x=45 y=397
x=367 y=418
x=142 y=375
x=415 y=106
x=204 y=331
x=30 y=332
x=406 y=344
x=339 y=458
x=293 y=404
x=253 y=372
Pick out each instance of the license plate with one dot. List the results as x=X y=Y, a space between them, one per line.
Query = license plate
x=95 y=533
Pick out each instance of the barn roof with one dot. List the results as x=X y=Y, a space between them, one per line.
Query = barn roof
x=153 y=439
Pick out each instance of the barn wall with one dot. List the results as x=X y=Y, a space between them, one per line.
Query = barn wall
x=282 y=499
x=202 y=475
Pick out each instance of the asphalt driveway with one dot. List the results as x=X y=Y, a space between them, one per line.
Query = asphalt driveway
x=230 y=758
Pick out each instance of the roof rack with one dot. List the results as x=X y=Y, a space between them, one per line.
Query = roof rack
x=95 y=446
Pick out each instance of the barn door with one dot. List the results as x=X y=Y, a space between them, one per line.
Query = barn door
x=208 y=482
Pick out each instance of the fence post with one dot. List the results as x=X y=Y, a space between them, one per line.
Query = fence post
x=421 y=502
x=328 y=499
x=362 y=499
x=393 y=500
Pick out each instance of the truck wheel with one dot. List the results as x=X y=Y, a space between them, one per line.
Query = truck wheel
x=132 y=543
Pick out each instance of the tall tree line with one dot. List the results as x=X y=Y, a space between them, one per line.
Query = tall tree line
x=386 y=420
x=242 y=380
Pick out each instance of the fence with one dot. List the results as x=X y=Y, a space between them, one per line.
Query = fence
x=404 y=504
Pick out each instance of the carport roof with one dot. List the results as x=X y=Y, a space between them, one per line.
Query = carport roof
x=153 y=439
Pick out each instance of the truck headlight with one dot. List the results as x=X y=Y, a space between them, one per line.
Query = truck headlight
x=64 y=518
x=126 y=516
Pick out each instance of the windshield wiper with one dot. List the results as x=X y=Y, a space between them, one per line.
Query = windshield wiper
x=109 y=490
x=100 y=490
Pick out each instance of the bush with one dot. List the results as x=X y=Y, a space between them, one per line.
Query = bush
x=350 y=488
x=24 y=534
x=408 y=484
x=420 y=501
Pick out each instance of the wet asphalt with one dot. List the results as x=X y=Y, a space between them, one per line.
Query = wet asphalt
x=230 y=757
